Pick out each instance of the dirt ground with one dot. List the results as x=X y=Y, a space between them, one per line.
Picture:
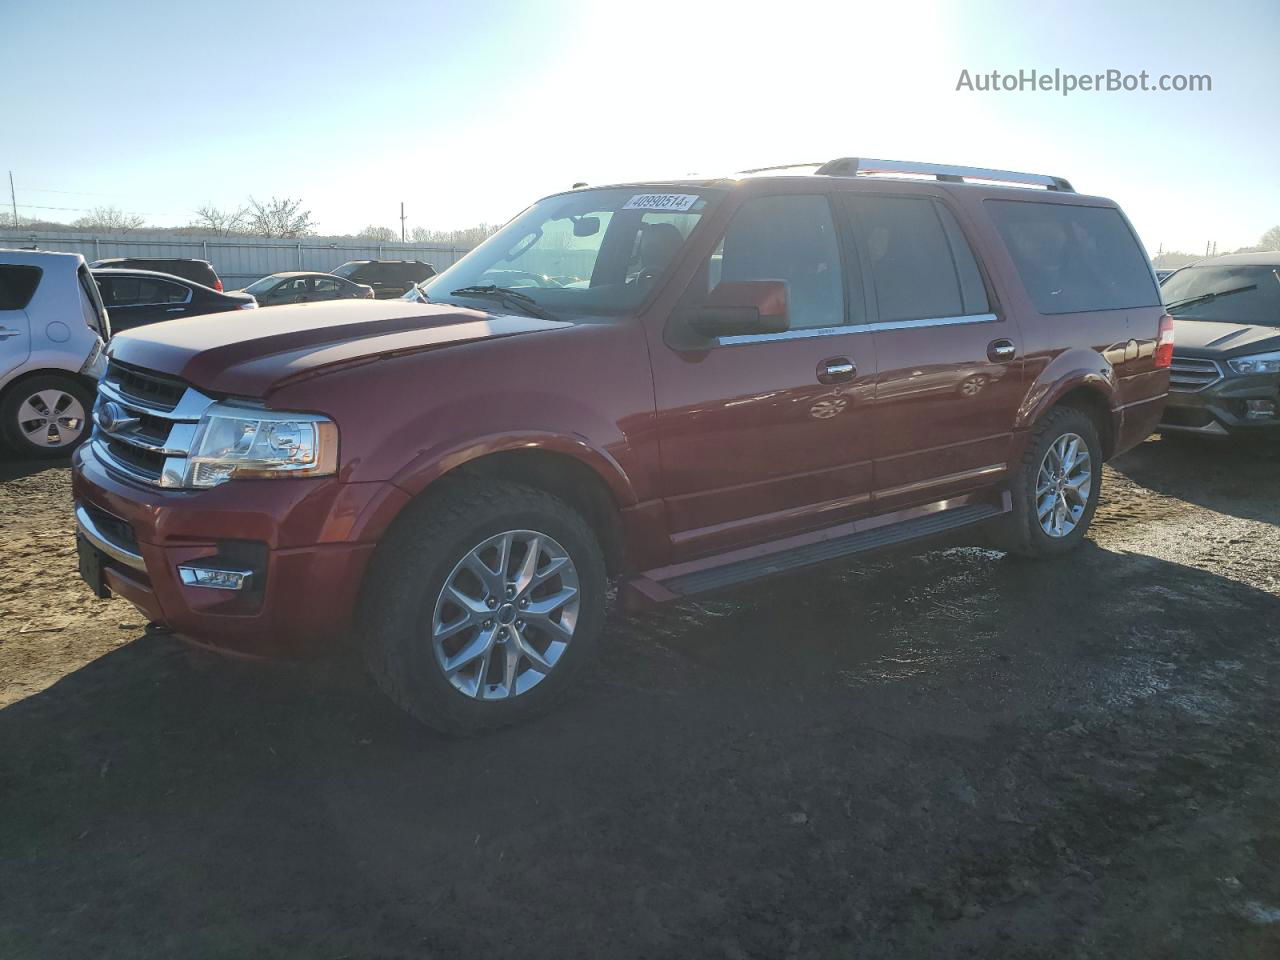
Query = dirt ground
x=946 y=755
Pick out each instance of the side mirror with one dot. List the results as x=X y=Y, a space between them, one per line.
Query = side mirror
x=742 y=308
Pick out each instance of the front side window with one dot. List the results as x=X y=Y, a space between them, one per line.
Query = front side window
x=791 y=238
x=1073 y=258
x=1230 y=294
x=920 y=263
x=591 y=252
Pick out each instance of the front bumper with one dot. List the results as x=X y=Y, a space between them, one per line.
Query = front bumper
x=1223 y=408
x=304 y=543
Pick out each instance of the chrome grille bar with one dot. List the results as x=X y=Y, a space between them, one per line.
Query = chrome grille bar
x=1193 y=374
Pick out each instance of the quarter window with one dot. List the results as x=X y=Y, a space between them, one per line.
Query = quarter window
x=141 y=291
x=921 y=265
x=17 y=286
x=787 y=238
x=1073 y=258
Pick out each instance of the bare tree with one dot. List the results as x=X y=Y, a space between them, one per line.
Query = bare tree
x=219 y=221
x=468 y=237
x=380 y=234
x=108 y=218
x=279 y=217
x=1271 y=239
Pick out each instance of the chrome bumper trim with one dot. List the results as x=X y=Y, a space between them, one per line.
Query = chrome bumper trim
x=89 y=530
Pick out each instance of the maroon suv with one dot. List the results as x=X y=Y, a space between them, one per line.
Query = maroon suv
x=678 y=386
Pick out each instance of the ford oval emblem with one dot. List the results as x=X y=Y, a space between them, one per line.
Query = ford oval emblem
x=111 y=417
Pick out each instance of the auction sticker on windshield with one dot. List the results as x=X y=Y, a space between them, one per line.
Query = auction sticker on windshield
x=661 y=201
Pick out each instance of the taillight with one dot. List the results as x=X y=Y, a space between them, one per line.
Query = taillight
x=1164 y=344
x=217 y=285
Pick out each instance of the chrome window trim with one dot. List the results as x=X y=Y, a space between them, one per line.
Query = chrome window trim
x=89 y=530
x=879 y=325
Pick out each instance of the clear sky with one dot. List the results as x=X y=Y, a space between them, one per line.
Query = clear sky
x=467 y=111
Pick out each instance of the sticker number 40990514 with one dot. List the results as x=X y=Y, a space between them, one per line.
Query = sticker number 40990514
x=661 y=201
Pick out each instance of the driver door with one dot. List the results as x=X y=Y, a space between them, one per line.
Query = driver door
x=768 y=435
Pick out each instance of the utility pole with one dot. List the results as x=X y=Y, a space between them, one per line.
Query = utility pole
x=402 y=221
x=13 y=198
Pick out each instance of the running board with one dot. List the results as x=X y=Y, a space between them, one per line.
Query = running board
x=793 y=558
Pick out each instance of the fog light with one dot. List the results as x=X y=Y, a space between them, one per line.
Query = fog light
x=217 y=579
x=1260 y=409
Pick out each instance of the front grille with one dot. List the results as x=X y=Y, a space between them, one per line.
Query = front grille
x=148 y=389
x=1191 y=374
x=146 y=434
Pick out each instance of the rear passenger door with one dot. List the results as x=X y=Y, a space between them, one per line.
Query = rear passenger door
x=768 y=434
x=950 y=372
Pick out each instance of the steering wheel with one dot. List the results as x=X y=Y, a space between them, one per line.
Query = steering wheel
x=538 y=279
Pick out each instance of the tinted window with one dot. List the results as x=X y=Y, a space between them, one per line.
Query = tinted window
x=921 y=265
x=1232 y=294
x=1073 y=258
x=347 y=269
x=788 y=238
x=325 y=287
x=140 y=291
x=17 y=286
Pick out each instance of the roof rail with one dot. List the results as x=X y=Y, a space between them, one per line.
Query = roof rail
x=852 y=166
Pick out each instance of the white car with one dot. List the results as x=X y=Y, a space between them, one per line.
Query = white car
x=52 y=330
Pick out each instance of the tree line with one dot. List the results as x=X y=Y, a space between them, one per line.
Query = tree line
x=1177 y=258
x=284 y=218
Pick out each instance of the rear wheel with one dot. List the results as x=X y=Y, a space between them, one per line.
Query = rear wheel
x=482 y=606
x=1055 y=490
x=46 y=415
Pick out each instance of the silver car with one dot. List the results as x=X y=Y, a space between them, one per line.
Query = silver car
x=53 y=327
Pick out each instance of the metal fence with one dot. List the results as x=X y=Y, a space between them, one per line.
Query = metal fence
x=238 y=260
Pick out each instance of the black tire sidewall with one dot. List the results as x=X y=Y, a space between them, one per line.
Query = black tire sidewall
x=1063 y=420
x=20 y=391
x=402 y=629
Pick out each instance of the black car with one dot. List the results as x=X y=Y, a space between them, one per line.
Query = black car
x=389 y=278
x=198 y=271
x=134 y=298
x=1225 y=377
x=305 y=287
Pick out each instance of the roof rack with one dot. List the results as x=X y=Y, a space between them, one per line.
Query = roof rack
x=852 y=166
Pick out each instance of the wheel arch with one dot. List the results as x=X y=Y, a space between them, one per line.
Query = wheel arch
x=1089 y=388
x=590 y=482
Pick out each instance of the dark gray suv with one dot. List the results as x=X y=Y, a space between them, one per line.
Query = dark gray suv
x=1225 y=377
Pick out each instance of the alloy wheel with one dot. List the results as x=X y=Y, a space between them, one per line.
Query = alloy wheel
x=1063 y=485
x=505 y=615
x=51 y=418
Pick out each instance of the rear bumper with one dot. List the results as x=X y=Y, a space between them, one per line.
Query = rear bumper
x=306 y=544
x=1223 y=408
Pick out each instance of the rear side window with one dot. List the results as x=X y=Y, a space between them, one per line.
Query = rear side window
x=1074 y=259
x=921 y=264
x=95 y=314
x=17 y=285
x=141 y=291
x=789 y=238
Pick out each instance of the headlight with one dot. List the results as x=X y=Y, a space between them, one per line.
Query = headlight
x=1256 y=363
x=241 y=442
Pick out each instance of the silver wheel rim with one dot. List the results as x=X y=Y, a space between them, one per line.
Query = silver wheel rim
x=51 y=418
x=1063 y=485
x=506 y=615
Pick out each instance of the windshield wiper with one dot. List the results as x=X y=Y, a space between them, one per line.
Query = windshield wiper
x=522 y=301
x=1207 y=297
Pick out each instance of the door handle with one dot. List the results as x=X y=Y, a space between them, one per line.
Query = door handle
x=836 y=370
x=1001 y=351
x=6 y=333
x=176 y=310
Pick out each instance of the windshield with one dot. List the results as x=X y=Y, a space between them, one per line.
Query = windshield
x=588 y=252
x=347 y=269
x=1232 y=294
x=263 y=285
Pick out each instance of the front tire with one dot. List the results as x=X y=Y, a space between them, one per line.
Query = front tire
x=1055 y=489
x=46 y=415
x=483 y=605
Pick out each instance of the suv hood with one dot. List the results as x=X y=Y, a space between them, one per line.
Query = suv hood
x=249 y=353
x=1212 y=338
